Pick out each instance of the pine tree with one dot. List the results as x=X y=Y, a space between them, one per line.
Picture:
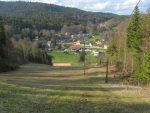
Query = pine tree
x=134 y=32
x=134 y=39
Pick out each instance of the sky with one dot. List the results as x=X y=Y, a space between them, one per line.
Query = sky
x=122 y=7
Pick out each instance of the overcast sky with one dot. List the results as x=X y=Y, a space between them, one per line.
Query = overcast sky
x=123 y=7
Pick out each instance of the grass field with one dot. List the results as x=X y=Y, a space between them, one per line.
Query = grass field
x=60 y=57
x=36 y=88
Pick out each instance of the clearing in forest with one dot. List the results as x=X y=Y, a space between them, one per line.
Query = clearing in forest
x=36 y=88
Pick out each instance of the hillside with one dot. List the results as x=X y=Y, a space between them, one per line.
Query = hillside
x=30 y=9
x=29 y=19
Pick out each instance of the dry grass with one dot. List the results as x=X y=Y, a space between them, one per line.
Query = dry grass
x=38 y=88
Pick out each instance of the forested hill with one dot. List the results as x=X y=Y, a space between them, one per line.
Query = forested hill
x=29 y=19
x=52 y=12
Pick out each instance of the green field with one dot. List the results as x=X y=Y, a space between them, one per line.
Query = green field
x=36 y=88
x=60 y=57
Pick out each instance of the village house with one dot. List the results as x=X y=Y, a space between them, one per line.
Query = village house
x=76 y=45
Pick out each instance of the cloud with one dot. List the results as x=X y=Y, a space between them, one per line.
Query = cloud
x=43 y=1
x=83 y=1
x=76 y=3
x=46 y=1
x=128 y=4
x=97 y=6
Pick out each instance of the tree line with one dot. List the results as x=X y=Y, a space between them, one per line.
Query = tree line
x=15 y=52
x=130 y=47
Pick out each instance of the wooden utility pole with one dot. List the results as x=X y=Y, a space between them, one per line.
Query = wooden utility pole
x=107 y=64
x=84 y=56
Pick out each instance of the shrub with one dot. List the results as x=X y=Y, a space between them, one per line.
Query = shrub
x=143 y=72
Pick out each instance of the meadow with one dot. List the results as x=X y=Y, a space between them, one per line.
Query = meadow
x=61 y=57
x=37 y=88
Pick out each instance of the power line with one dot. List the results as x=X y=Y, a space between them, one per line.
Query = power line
x=135 y=6
x=138 y=2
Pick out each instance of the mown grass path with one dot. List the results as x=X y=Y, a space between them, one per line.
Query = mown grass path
x=36 y=88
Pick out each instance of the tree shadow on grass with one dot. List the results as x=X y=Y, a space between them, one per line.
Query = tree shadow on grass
x=81 y=104
x=62 y=94
x=67 y=87
x=111 y=107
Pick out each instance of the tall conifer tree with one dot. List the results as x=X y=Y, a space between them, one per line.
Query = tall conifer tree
x=134 y=32
x=134 y=39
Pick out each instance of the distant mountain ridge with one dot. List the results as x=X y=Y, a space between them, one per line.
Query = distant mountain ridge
x=36 y=17
x=36 y=9
x=43 y=7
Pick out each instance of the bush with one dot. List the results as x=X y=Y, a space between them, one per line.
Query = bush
x=119 y=66
x=143 y=72
x=8 y=67
x=82 y=57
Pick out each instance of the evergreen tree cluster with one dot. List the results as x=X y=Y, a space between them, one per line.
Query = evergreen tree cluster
x=142 y=73
x=135 y=38
x=130 y=47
